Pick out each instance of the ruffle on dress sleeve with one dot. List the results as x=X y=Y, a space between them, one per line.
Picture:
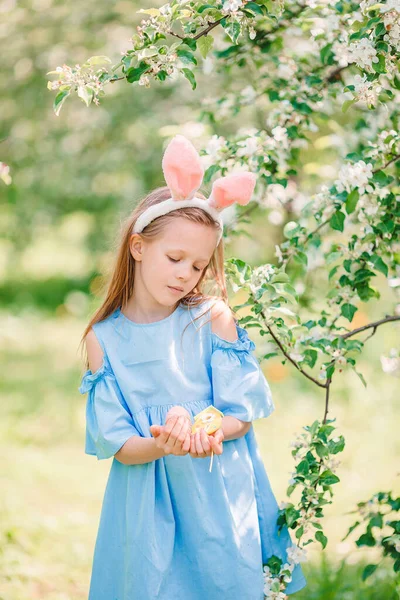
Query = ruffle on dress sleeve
x=109 y=423
x=240 y=388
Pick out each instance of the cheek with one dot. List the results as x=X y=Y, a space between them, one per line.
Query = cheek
x=154 y=269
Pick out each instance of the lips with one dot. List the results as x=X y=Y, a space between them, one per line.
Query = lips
x=177 y=289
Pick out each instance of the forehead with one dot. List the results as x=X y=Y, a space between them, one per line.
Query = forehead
x=193 y=239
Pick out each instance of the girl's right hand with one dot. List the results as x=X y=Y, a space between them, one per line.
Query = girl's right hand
x=174 y=436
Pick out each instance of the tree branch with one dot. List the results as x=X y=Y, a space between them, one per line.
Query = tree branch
x=388 y=163
x=282 y=349
x=374 y=325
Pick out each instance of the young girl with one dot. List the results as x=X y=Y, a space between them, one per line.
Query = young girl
x=160 y=350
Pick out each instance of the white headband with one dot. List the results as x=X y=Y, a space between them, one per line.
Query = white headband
x=166 y=206
x=183 y=172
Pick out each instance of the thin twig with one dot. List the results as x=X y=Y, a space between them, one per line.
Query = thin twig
x=328 y=388
x=388 y=163
x=282 y=349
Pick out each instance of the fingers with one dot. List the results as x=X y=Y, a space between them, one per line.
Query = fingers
x=200 y=444
x=165 y=433
x=183 y=434
x=176 y=434
x=155 y=430
x=215 y=445
x=186 y=444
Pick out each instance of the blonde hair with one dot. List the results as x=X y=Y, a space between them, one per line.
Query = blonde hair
x=121 y=283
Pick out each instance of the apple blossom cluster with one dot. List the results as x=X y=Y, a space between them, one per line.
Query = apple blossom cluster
x=260 y=276
x=355 y=175
x=87 y=80
x=251 y=149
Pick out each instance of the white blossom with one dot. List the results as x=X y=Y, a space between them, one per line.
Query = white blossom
x=355 y=176
x=391 y=364
x=296 y=554
x=248 y=147
x=363 y=53
x=232 y=5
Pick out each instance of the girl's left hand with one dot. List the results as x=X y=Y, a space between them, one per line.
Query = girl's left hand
x=202 y=444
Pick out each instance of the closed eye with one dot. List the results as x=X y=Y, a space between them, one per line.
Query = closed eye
x=175 y=260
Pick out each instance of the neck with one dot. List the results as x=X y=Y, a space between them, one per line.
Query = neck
x=144 y=308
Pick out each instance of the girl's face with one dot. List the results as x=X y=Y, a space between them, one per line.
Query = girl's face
x=170 y=266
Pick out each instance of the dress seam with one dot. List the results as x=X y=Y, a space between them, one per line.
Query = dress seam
x=170 y=405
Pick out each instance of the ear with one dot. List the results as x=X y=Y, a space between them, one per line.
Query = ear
x=136 y=243
x=182 y=168
x=236 y=187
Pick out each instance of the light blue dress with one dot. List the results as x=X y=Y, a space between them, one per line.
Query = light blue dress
x=169 y=529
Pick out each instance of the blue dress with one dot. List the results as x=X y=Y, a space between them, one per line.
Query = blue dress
x=169 y=529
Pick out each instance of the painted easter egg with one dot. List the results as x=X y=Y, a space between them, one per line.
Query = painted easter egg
x=209 y=419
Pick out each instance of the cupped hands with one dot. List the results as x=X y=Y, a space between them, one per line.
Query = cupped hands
x=175 y=437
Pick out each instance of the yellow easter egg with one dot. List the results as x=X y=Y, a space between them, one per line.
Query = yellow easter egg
x=209 y=419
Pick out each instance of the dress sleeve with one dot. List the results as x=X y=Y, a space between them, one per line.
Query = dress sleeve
x=109 y=423
x=239 y=385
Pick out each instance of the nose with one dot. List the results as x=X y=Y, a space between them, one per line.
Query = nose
x=184 y=272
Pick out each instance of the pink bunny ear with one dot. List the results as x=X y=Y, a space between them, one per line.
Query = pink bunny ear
x=237 y=187
x=182 y=168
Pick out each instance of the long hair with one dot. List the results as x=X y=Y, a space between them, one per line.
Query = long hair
x=120 y=283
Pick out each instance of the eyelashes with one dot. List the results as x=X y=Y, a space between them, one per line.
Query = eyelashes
x=175 y=260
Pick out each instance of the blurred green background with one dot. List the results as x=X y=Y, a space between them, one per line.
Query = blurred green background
x=74 y=179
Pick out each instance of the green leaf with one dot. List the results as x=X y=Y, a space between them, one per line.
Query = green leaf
x=232 y=29
x=274 y=563
x=190 y=42
x=85 y=94
x=320 y=537
x=380 y=66
x=337 y=220
x=361 y=376
x=379 y=264
x=190 y=77
x=290 y=490
x=382 y=178
x=186 y=56
x=351 y=201
x=328 y=478
x=321 y=450
x=300 y=258
x=291 y=229
x=347 y=104
x=367 y=539
x=254 y=8
x=351 y=529
x=303 y=467
x=134 y=73
x=291 y=515
x=205 y=44
x=326 y=54
x=98 y=60
x=210 y=172
x=59 y=100
x=367 y=572
x=348 y=311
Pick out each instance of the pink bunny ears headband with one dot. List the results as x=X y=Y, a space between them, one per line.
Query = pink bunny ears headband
x=183 y=174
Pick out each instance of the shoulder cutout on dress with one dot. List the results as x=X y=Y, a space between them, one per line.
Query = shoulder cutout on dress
x=94 y=351
x=242 y=344
x=223 y=323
